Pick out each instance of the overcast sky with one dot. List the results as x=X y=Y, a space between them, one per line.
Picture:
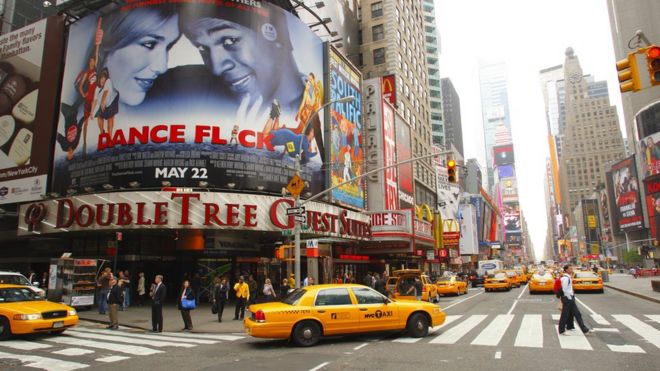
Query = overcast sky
x=528 y=36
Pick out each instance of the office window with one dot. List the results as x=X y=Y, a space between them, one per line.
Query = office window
x=377 y=9
x=377 y=32
x=379 y=56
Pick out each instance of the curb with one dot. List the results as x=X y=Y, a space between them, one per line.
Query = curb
x=634 y=294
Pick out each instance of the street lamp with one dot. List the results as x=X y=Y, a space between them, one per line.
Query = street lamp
x=296 y=227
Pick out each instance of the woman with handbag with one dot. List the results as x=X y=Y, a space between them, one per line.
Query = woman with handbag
x=269 y=291
x=185 y=304
x=220 y=296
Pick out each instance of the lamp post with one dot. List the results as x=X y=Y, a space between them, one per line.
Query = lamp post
x=296 y=227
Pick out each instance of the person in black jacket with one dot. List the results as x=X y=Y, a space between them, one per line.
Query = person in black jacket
x=220 y=296
x=381 y=284
x=115 y=299
x=186 y=293
x=160 y=292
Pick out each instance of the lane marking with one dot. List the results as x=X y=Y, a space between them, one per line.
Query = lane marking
x=625 y=348
x=202 y=336
x=653 y=317
x=409 y=340
x=585 y=305
x=73 y=352
x=648 y=332
x=111 y=359
x=493 y=333
x=360 y=346
x=455 y=333
x=128 y=349
x=462 y=300
x=23 y=345
x=573 y=340
x=45 y=363
x=600 y=320
x=150 y=337
x=498 y=355
x=320 y=366
x=128 y=340
x=530 y=333
x=556 y=317
x=604 y=329
x=515 y=302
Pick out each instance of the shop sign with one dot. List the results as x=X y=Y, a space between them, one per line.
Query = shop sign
x=451 y=239
x=353 y=257
x=442 y=253
x=423 y=228
x=430 y=255
x=207 y=210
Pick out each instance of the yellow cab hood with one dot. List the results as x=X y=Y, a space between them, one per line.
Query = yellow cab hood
x=27 y=307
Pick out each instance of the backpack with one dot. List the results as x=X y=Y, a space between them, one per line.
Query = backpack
x=557 y=288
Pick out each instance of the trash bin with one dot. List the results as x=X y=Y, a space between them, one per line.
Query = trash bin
x=605 y=275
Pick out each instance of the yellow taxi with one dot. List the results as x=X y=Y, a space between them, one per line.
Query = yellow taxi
x=514 y=277
x=498 y=280
x=522 y=276
x=22 y=311
x=308 y=313
x=406 y=278
x=451 y=285
x=541 y=282
x=587 y=281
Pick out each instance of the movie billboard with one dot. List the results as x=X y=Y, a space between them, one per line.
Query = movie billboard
x=652 y=185
x=347 y=148
x=625 y=188
x=191 y=94
x=389 y=158
x=649 y=153
x=511 y=214
x=403 y=153
x=28 y=94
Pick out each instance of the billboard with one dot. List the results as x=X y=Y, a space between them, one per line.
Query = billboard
x=388 y=88
x=506 y=171
x=649 y=152
x=625 y=189
x=503 y=155
x=511 y=214
x=509 y=188
x=195 y=93
x=389 y=157
x=347 y=144
x=28 y=94
x=652 y=187
x=405 y=172
x=469 y=241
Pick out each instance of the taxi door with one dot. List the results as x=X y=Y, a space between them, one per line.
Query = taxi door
x=336 y=311
x=375 y=315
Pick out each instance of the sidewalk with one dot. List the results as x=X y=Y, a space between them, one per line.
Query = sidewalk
x=202 y=318
x=640 y=287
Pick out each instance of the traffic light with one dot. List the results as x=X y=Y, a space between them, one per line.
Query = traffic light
x=653 y=63
x=452 y=173
x=628 y=74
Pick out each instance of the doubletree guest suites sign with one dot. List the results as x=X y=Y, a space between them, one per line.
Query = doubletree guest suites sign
x=188 y=210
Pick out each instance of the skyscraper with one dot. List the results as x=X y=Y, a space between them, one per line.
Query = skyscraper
x=438 y=125
x=451 y=114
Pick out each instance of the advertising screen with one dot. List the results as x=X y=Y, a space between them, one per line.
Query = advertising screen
x=347 y=149
x=405 y=172
x=27 y=105
x=652 y=185
x=389 y=158
x=196 y=93
x=627 y=203
x=506 y=171
x=511 y=215
x=503 y=155
x=649 y=153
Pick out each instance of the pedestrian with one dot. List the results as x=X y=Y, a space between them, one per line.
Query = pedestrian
x=269 y=291
x=306 y=282
x=380 y=285
x=253 y=286
x=157 y=299
x=44 y=281
x=569 y=307
x=367 y=280
x=292 y=281
x=141 y=290
x=242 y=296
x=416 y=288
x=284 y=289
x=310 y=281
x=127 y=290
x=220 y=296
x=196 y=284
x=115 y=299
x=103 y=284
x=185 y=304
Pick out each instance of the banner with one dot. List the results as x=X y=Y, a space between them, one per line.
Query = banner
x=347 y=148
x=405 y=172
x=511 y=214
x=28 y=94
x=190 y=94
x=469 y=242
x=625 y=187
x=388 y=88
x=389 y=158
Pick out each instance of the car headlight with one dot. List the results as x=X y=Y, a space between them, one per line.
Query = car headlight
x=72 y=312
x=27 y=317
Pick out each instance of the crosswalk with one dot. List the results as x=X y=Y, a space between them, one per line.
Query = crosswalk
x=622 y=333
x=87 y=346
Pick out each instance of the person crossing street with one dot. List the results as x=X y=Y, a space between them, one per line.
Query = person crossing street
x=569 y=307
x=242 y=296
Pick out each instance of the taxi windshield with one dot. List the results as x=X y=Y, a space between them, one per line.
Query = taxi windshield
x=16 y=294
x=294 y=296
x=497 y=275
x=511 y=274
x=444 y=279
x=14 y=279
x=585 y=275
x=546 y=276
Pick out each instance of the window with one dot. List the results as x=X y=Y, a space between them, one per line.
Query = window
x=368 y=296
x=333 y=297
x=377 y=9
x=379 y=56
x=377 y=32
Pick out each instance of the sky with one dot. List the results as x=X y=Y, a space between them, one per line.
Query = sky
x=528 y=36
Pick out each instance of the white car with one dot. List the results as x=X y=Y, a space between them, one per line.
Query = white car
x=15 y=278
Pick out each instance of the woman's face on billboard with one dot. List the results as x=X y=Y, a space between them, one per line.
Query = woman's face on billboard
x=244 y=61
x=134 y=68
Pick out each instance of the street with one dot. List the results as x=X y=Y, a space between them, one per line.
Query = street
x=501 y=330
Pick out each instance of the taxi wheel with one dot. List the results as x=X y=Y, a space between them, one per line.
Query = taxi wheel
x=5 y=330
x=306 y=334
x=418 y=325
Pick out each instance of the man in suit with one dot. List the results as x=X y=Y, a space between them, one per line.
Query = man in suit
x=160 y=292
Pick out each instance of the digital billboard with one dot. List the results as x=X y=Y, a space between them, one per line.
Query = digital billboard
x=649 y=153
x=28 y=94
x=389 y=158
x=625 y=189
x=511 y=214
x=506 y=171
x=196 y=93
x=347 y=148
x=503 y=155
x=405 y=172
x=652 y=185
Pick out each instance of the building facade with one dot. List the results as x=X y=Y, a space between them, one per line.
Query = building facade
x=451 y=113
x=436 y=101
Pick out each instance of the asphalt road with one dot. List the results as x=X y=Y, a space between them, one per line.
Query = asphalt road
x=504 y=330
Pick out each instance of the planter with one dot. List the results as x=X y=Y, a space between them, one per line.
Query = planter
x=655 y=284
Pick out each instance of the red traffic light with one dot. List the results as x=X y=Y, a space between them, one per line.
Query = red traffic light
x=653 y=52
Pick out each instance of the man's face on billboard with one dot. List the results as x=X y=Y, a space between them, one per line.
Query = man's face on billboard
x=245 y=62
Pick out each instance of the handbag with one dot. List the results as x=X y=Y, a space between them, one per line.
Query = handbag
x=214 y=308
x=188 y=304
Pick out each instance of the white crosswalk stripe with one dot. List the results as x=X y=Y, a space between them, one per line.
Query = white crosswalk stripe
x=23 y=345
x=646 y=331
x=492 y=334
x=151 y=337
x=455 y=333
x=122 y=339
x=530 y=333
x=600 y=320
x=122 y=348
x=44 y=363
x=409 y=340
x=653 y=317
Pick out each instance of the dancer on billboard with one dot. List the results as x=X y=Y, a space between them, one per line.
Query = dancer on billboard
x=107 y=103
x=87 y=79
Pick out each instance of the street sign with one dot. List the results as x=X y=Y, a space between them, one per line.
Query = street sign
x=295 y=186
x=312 y=244
x=302 y=219
x=295 y=210
x=442 y=204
